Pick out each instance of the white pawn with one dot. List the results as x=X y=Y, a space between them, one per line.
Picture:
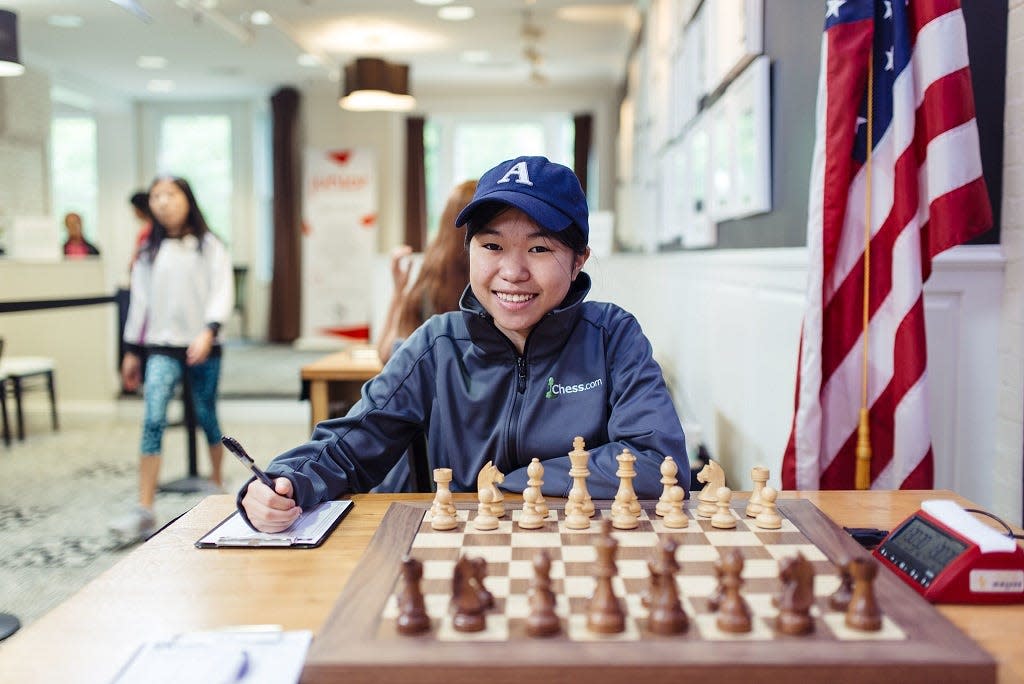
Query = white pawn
x=759 y=474
x=536 y=473
x=531 y=519
x=669 y=469
x=440 y=516
x=768 y=518
x=575 y=513
x=722 y=519
x=675 y=518
x=485 y=518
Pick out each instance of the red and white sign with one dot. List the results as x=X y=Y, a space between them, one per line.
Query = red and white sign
x=339 y=241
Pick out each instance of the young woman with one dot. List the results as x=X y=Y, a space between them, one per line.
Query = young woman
x=525 y=366
x=443 y=276
x=182 y=291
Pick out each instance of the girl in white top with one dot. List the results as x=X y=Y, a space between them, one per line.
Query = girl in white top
x=182 y=291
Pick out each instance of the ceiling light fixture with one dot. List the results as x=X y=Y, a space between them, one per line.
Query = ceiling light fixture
x=373 y=84
x=456 y=13
x=10 y=65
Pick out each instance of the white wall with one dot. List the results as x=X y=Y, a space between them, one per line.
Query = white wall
x=1010 y=384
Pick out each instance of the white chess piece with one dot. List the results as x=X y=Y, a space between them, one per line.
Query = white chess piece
x=768 y=518
x=625 y=498
x=580 y=457
x=669 y=469
x=722 y=519
x=485 y=518
x=675 y=518
x=443 y=478
x=575 y=514
x=440 y=516
x=531 y=519
x=535 y=471
x=759 y=474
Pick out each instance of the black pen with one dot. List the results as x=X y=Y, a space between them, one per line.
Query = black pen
x=234 y=447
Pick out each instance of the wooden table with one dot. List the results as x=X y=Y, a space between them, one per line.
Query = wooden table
x=339 y=375
x=167 y=586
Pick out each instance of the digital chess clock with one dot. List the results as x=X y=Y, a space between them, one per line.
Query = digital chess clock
x=949 y=556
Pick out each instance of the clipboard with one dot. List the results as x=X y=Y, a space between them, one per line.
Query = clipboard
x=308 y=532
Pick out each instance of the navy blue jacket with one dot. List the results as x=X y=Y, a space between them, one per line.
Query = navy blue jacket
x=586 y=370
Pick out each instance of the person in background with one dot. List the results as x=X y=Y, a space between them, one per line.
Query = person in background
x=182 y=291
x=140 y=205
x=76 y=246
x=442 y=277
x=526 y=365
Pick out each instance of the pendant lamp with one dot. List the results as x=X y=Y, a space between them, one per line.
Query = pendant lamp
x=373 y=84
x=10 y=65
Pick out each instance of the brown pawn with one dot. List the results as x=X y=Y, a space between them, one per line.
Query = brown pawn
x=797 y=596
x=412 y=612
x=466 y=598
x=733 y=611
x=716 y=598
x=666 y=614
x=863 y=612
x=840 y=598
x=542 y=620
x=604 y=612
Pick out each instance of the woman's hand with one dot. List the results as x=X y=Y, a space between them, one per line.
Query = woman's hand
x=271 y=511
x=401 y=264
x=200 y=348
x=131 y=372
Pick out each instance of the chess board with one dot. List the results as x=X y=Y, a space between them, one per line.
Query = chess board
x=360 y=643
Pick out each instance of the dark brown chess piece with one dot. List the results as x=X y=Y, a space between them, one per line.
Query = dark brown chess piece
x=412 y=612
x=840 y=598
x=604 y=612
x=716 y=598
x=797 y=596
x=733 y=611
x=479 y=573
x=666 y=615
x=863 y=612
x=466 y=599
x=542 y=620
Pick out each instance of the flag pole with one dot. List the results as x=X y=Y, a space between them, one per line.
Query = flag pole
x=862 y=476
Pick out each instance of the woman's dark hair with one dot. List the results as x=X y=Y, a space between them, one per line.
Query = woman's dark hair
x=195 y=221
x=140 y=200
x=572 y=237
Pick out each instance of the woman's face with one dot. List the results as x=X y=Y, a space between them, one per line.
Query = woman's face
x=169 y=205
x=519 y=273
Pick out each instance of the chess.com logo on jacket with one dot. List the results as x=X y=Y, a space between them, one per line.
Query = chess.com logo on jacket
x=555 y=389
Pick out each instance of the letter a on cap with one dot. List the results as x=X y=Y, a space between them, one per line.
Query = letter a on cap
x=521 y=173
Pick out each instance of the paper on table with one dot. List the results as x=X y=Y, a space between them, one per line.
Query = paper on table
x=245 y=656
x=310 y=528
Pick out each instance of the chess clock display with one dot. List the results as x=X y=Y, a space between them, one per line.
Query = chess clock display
x=949 y=556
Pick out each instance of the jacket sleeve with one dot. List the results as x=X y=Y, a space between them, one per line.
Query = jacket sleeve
x=138 y=304
x=221 y=299
x=356 y=452
x=641 y=418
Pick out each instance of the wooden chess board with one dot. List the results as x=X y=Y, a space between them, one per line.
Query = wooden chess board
x=359 y=641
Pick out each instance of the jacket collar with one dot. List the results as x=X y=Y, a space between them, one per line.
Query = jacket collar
x=548 y=335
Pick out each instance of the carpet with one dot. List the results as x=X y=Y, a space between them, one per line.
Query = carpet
x=62 y=489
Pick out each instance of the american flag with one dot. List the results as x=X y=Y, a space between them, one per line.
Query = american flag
x=926 y=194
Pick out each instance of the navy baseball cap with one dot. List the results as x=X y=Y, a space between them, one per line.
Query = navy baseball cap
x=547 y=192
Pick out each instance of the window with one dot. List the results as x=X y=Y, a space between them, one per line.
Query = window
x=198 y=148
x=74 y=178
x=461 y=148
